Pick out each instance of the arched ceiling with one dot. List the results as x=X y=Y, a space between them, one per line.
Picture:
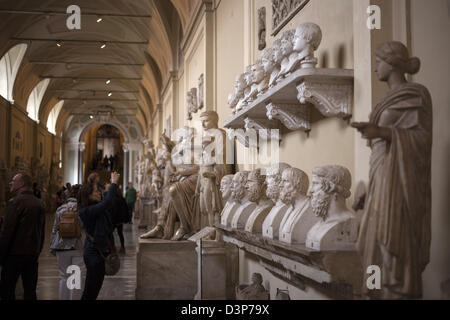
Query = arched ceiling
x=141 y=36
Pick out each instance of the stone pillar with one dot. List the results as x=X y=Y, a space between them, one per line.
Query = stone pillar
x=126 y=164
x=81 y=147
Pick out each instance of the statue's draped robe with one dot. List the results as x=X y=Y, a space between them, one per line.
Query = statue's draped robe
x=395 y=230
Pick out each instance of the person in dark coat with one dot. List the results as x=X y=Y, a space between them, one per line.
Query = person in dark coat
x=119 y=215
x=98 y=227
x=21 y=239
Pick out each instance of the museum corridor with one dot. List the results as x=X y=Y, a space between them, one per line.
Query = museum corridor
x=272 y=149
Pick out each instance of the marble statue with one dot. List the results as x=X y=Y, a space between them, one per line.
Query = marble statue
x=273 y=220
x=201 y=86
x=299 y=217
x=211 y=171
x=256 y=190
x=287 y=50
x=307 y=39
x=277 y=58
x=182 y=190
x=337 y=226
x=254 y=291
x=238 y=198
x=192 y=102
x=268 y=66
x=225 y=187
x=165 y=222
x=395 y=231
x=238 y=94
x=258 y=80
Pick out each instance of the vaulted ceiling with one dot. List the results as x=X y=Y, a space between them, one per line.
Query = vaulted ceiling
x=140 y=40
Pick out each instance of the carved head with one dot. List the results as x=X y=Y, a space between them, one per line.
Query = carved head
x=256 y=185
x=248 y=75
x=328 y=182
x=225 y=186
x=240 y=84
x=307 y=35
x=277 y=53
x=209 y=119
x=257 y=279
x=258 y=72
x=294 y=182
x=393 y=56
x=287 y=42
x=267 y=60
x=273 y=180
x=238 y=185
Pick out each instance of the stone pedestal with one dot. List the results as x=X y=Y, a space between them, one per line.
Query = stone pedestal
x=219 y=270
x=148 y=218
x=166 y=270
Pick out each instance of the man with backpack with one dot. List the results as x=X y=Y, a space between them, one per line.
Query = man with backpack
x=66 y=243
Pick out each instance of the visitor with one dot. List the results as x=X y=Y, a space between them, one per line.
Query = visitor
x=21 y=239
x=36 y=191
x=130 y=197
x=119 y=215
x=98 y=228
x=68 y=251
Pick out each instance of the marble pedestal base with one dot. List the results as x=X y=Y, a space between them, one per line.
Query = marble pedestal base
x=147 y=218
x=166 y=270
x=219 y=270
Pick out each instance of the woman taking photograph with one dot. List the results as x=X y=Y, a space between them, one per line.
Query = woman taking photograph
x=98 y=227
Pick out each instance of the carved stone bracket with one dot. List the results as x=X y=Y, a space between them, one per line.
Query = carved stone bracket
x=293 y=116
x=289 y=102
x=263 y=127
x=332 y=99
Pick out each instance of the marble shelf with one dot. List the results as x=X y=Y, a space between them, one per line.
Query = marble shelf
x=296 y=263
x=289 y=102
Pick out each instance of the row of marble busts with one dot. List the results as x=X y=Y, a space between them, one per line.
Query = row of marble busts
x=293 y=50
x=276 y=205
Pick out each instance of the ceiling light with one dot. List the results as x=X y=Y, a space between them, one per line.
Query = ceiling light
x=58 y=44
x=103 y=46
x=108 y=81
x=91 y=116
x=109 y=94
x=99 y=19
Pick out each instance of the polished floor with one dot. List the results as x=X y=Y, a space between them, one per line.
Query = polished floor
x=119 y=287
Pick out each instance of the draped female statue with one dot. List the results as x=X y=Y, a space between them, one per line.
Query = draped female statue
x=395 y=229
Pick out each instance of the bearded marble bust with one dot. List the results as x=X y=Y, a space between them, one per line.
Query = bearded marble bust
x=337 y=226
x=238 y=197
x=299 y=218
x=225 y=187
x=256 y=190
x=273 y=220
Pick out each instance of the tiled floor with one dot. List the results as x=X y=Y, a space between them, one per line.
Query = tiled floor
x=119 y=287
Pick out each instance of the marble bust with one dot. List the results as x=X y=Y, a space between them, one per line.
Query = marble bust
x=258 y=77
x=273 y=220
x=287 y=49
x=237 y=95
x=307 y=39
x=268 y=65
x=254 y=291
x=243 y=84
x=276 y=58
x=243 y=212
x=337 y=226
x=256 y=190
x=238 y=198
x=299 y=218
x=225 y=187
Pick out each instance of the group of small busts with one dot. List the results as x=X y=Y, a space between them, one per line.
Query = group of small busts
x=276 y=205
x=189 y=192
x=293 y=50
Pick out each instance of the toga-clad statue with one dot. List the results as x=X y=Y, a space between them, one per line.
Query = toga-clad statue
x=395 y=230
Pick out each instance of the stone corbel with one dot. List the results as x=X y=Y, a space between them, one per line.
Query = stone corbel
x=293 y=116
x=262 y=126
x=332 y=99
